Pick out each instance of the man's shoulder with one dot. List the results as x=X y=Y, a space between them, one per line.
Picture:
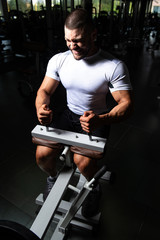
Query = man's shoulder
x=59 y=58
x=109 y=57
x=61 y=55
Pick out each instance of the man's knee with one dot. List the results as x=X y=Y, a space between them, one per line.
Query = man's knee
x=42 y=153
x=87 y=166
x=46 y=150
x=82 y=162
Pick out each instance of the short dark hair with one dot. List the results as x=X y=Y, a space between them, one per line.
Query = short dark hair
x=79 y=18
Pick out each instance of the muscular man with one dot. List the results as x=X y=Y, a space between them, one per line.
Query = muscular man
x=88 y=74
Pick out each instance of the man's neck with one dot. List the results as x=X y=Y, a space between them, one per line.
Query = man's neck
x=93 y=51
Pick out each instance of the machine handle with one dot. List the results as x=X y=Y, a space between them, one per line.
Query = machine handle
x=100 y=173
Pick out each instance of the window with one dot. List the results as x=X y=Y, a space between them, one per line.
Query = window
x=38 y=4
x=11 y=5
x=22 y=5
x=1 y=10
x=156 y=9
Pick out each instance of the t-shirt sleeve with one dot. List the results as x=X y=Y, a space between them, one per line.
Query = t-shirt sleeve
x=120 y=79
x=52 y=68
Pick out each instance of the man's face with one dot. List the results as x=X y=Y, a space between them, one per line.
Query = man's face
x=80 y=43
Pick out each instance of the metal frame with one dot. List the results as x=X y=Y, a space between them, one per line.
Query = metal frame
x=46 y=213
x=69 y=138
x=55 y=207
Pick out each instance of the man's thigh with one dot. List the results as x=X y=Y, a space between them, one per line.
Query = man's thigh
x=43 y=152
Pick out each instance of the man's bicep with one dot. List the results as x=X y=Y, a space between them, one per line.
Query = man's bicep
x=123 y=96
x=49 y=85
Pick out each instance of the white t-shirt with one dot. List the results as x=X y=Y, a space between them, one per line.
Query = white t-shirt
x=87 y=81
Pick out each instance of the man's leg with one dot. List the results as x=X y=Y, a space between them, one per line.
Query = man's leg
x=88 y=167
x=46 y=160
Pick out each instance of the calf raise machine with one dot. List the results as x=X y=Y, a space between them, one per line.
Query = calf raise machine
x=55 y=208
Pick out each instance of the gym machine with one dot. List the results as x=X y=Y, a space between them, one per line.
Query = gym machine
x=55 y=208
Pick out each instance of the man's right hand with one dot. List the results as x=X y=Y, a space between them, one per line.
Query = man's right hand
x=44 y=114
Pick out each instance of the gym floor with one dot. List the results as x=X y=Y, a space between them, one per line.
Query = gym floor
x=130 y=206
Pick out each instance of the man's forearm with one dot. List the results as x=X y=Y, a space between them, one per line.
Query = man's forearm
x=119 y=113
x=90 y=121
x=42 y=98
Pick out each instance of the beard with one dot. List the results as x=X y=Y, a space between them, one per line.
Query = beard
x=80 y=52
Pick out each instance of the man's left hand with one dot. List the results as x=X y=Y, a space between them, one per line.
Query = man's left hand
x=89 y=121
